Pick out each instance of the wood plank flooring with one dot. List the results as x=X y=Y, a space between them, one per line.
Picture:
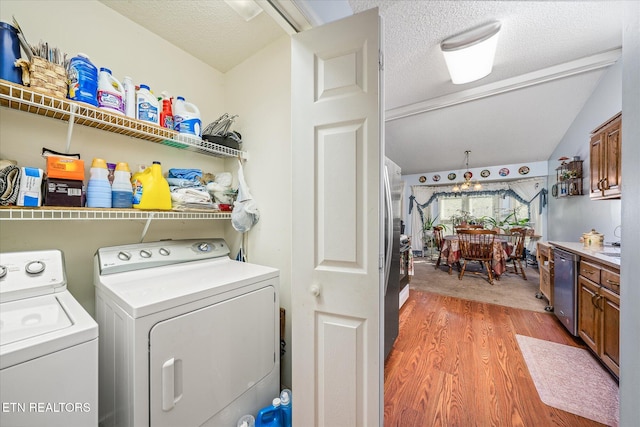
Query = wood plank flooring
x=457 y=363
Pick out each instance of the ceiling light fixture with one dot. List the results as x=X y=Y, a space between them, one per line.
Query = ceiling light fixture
x=467 y=184
x=469 y=55
x=247 y=9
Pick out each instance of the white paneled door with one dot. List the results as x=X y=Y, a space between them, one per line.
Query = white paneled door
x=336 y=281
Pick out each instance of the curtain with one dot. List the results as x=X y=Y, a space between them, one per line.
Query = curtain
x=533 y=191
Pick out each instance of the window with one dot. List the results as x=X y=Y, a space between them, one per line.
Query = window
x=488 y=205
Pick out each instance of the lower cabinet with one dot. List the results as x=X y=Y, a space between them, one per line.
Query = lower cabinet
x=599 y=312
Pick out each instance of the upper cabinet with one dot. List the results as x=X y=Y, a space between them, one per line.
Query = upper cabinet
x=606 y=159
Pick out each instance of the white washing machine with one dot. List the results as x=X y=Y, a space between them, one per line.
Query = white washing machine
x=188 y=336
x=48 y=345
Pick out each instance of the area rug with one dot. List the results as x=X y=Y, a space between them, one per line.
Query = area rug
x=510 y=291
x=569 y=378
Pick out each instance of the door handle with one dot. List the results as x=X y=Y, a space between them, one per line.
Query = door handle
x=314 y=290
x=171 y=383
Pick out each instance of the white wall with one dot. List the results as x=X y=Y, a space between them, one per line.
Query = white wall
x=630 y=268
x=259 y=90
x=569 y=217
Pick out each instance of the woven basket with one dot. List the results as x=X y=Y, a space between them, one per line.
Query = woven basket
x=48 y=78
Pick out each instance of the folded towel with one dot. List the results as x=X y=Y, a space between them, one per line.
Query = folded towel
x=190 y=195
x=183 y=183
x=192 y=174
x=9 y=185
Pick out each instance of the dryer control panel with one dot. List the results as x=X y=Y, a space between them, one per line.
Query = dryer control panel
x=138 y=256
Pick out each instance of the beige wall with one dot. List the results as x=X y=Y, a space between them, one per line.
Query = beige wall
x=258 y=90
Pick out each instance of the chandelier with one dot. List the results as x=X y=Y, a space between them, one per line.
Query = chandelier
x=467 y=184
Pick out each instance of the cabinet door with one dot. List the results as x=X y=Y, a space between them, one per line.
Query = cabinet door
x=588 y=312
x=610 y=332
x=596 y=154
x=613 y=159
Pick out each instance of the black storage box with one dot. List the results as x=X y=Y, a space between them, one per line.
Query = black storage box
x=63 y=192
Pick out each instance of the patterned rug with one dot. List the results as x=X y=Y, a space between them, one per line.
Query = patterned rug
x=569 y=378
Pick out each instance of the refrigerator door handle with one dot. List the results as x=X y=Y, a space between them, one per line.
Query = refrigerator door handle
x=389 y=239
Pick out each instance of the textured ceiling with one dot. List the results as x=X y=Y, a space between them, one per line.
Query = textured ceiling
x=522 y=125
x=207 y=29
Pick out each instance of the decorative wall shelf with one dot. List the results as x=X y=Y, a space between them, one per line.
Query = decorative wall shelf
x=23 y=99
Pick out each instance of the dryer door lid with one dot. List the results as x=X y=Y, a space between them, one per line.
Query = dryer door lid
x=27 y=318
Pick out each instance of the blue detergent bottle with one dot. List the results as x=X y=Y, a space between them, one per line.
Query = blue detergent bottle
x=83 y=80
x=270 y=416
x=285 y=407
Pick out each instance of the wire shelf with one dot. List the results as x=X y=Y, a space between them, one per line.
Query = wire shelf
x=24 y=99
x=55 y=213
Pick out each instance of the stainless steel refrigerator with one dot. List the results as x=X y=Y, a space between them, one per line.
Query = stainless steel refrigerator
x=393 y=200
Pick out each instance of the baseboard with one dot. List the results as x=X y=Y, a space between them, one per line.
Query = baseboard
x=404 y=295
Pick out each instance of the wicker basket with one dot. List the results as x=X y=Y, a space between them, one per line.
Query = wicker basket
x=48 y=78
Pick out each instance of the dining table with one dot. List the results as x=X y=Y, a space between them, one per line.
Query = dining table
x=502 y=249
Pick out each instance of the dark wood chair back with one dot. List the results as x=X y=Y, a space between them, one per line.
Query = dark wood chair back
x=476 y=245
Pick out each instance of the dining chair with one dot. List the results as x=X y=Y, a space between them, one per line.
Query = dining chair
x=439 y=241
x=468 y=227
x=516 y=238
x=476 y=245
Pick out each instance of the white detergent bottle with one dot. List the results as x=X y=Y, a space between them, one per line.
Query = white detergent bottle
x=186 y=117
x=129 y=97
x=147 y=106
x=111 y=94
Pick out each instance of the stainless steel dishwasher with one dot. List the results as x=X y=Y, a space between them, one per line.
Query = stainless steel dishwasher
x=565 y=303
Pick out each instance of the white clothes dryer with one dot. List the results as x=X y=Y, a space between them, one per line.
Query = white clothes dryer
x=189 y=337
x=48 y=345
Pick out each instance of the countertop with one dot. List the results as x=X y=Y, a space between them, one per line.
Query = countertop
x=593 y=252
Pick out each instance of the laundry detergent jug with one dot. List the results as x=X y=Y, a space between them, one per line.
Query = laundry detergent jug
x=186 y=117
x=83 y=80
x=151 y=189
x=111 y=93
x=10 y=53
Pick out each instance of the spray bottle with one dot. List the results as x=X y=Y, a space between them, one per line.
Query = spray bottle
x=166 y=115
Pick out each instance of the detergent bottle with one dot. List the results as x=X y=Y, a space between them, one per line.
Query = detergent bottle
x=121 y=189
x=111 y=93
x=187 y=119
x=83 y=80
x=99 y=188
x=166 y=116
x=129 y=97
x=151 y=189
x=271 y=416
x=147 y=107
x=285 y=406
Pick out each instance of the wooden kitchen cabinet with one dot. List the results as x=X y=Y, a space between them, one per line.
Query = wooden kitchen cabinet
x=599 y=312
x=606 y=159
x=544 y=255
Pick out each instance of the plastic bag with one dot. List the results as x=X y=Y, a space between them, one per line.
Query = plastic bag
x=245 y=212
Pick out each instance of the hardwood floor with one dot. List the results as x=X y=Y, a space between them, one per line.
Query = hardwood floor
x=457 y=363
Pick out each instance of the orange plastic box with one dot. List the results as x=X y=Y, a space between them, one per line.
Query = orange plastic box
x=64 y=168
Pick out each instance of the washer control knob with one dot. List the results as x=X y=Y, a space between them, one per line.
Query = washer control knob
x=164 y=252
x=124 y=256
x=204 y=247
x=3 y=271
x=145 y=253
x=35 y=267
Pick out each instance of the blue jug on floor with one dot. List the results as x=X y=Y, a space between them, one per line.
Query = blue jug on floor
x=270 y=416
